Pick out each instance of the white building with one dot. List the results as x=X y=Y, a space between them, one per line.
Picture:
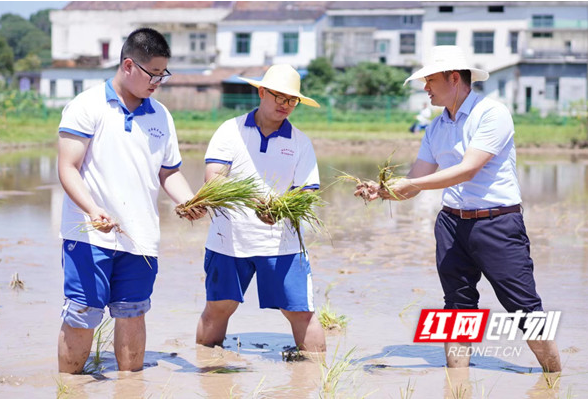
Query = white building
x=536 y=51
x=266 y=33
x=532 y=49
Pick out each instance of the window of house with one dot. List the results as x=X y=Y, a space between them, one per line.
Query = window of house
x=501 y=88
x=290 y=42
x=478 y=86
x=445 y=9
x=495 y=9
x=382 y=46
x=445 y=38
x=78 y=87
x=198 y=42
x=52 y=88
x=543 y=21
x=483 y=42
x=514 y=42
x=544 y=35
x=568 y=46
x=552 y=88
x=409 y=20
x=105 y=50
x=242 y=43
x=407 y=43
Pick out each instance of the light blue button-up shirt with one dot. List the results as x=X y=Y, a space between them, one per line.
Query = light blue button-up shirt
x=483 y=124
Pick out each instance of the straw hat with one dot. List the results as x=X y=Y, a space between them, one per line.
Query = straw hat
x=285 y=79
x=447 y=58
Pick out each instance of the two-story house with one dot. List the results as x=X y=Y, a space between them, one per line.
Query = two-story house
x=536 y=51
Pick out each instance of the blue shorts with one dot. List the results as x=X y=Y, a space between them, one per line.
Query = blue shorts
x=496 y=247
x=95 y=277
x=283 y=282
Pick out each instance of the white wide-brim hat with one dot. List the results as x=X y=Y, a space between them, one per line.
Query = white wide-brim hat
x=285 y=79
x=447 y=58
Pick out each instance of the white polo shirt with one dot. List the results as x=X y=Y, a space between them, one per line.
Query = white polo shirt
x=483 y=124
x=283 y=160
x=121 y=167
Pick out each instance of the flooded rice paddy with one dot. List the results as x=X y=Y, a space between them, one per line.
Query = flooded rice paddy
x=375 y=266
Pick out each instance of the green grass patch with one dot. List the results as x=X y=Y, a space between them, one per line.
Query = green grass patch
x=363 y=125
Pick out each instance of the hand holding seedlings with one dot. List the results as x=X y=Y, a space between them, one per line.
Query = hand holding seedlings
x=191 y=214
x=221 y=194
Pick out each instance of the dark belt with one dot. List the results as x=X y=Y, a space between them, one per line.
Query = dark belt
x=485 y=213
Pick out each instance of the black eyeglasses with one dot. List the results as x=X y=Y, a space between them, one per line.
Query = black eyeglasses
x=292 y=102
x=155 y=79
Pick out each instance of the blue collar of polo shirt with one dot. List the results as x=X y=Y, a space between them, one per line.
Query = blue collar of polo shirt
x=144 y=108
x=285 y=130
x=466 y=107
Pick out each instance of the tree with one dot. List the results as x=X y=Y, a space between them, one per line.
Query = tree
x=6 y=58
x=22 y=36
x=32 y=62
x=320 y=74
x=41 y=20
x=372 y=79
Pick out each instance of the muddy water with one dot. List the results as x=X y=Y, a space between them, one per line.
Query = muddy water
x=375 y=266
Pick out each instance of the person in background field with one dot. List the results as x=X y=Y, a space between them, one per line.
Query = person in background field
x=263 y=144
x=480 y=229
x=423 y=118
x=116 y=148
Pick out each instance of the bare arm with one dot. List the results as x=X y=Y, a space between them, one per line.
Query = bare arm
x=214 y=169
x=418 y=179
x=177 y=188
x=71 y=152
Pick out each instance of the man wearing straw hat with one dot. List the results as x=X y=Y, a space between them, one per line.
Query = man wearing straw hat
x=263 y=144
x=480 y=229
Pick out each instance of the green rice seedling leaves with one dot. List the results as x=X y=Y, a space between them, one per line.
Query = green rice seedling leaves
x=103 y=339
x=329 y=318
x=296 y=205
x=340 y=371
x=223 y=193
x=406 y=393
x=387 y=177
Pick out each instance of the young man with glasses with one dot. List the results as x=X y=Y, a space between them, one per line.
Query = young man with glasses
x=116 y=148
x=263 y=144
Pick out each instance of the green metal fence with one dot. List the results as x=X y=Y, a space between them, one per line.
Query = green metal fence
x=333 y=108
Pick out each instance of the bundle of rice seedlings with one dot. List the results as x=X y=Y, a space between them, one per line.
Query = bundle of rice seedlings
x=88 y=226
x=295 y=205
x=386 y=177
x=223 y=193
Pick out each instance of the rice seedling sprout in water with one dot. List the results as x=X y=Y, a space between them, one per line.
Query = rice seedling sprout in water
x=103 y=339
x=223 y=193
x=329 y=318
x=16 y=283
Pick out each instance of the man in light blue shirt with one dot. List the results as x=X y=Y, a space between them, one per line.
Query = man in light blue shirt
x=469 y=152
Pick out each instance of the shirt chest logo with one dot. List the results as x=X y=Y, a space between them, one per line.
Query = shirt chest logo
x=287 y=152
x=155 y=132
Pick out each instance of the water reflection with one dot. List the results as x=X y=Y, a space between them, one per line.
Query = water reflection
x=28 y=180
